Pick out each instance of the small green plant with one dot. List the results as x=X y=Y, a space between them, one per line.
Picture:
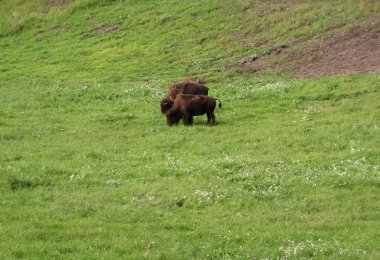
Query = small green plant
x=253 y=57
x=16 y=183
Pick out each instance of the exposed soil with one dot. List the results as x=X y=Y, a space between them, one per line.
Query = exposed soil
x=61 y=28
x=58 y=3
x=103 y=29
x=56 y=29
x=355 y=51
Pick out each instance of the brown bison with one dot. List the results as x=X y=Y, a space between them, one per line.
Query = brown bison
x=185 y=87
x=166 y=104
x=186 y=106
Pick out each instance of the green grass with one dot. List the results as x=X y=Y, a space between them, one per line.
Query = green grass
x=155 y=40
x=290 y=169
x=89 y=168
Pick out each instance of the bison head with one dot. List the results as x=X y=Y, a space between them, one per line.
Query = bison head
x=166 y=104
x=173 y=117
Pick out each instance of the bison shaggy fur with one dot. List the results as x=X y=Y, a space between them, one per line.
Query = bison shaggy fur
x=185 y=87
x=166 y=104
x=186 y=106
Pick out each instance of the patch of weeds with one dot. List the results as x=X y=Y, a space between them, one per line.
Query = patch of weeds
x=253 y=57
x=145 y=200
x=273 y=87
x=3 y=123
x=332 y=85
x=113 y=96
x=45 y=131
x=113 y=183
x=99 y=156
x=19 y=254
x=86 y=211
x=179 y=202
x=66 y=250
x=18 y=184
x=267 y=50
x=13 y=158
x=13 y=136
x=350 y=166
x=317 y=248
x=310 y=111
x=248 y=59
x=58 y=172
x=168 y=19
x=203 y=198
x=116 y=119
x=103 y=29
x=201 y=65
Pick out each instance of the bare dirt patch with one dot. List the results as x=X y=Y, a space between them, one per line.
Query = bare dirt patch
x=56 y=29
x=354 y=51
x=103 y=29
x=58 y=3
x=61 y=28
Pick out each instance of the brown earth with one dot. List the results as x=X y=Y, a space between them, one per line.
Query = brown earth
x=354 y=51
x=61 y=28
x=56 y=29
x=103 y=29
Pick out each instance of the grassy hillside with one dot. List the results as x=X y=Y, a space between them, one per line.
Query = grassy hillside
x=114 y=41
x=89 y=168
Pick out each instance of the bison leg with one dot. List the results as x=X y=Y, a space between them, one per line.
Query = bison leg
x=187 y=119
x=210 y=118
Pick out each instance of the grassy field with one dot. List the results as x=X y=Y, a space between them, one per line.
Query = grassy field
x=104 y=41
x=89 y=169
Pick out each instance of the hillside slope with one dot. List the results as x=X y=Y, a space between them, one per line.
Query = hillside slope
x=89 y=169
x=113 y=41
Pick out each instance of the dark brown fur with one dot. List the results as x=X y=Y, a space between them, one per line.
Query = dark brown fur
x=186 y=106
x=185 y=87
x=165 y=105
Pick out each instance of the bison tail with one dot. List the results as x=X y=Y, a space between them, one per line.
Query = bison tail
x=220 y=102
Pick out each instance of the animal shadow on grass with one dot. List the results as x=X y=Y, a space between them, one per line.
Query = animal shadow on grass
x=16 y=184
x=203 y=122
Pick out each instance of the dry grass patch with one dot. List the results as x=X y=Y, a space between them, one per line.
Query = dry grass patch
x=103 y=29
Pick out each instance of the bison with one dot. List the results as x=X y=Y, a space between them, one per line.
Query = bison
x=166 y=104
x=186 y=106
x=185 y=87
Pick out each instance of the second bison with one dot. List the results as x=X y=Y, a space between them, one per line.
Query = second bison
x=186 y=106
x=185 y=87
